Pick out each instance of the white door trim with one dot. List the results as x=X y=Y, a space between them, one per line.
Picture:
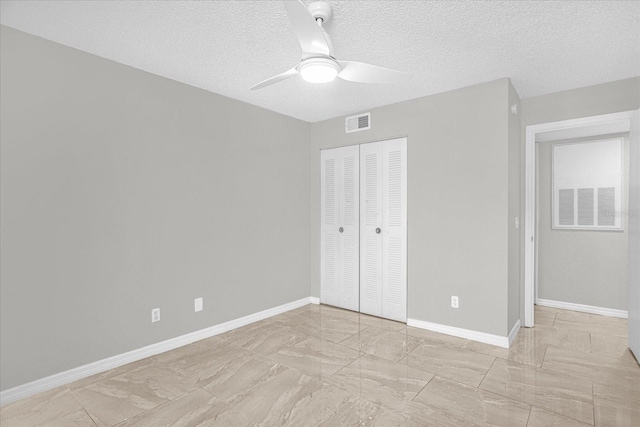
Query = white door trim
x=530 y=243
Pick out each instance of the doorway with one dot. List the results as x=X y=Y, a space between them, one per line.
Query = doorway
x=562 y=130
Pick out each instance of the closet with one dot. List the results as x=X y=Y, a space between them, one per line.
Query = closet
x=364 y=228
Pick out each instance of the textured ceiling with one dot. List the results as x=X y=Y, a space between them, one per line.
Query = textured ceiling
x=227 y=46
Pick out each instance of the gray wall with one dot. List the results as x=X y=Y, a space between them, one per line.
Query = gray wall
x=123 y=191
x=457 y=201
x=612 y=97
x=579 y=266
x=514 y=208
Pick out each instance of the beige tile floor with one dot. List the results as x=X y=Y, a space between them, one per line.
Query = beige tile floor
x=322 y=366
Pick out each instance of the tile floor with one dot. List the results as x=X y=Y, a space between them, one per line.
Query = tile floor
x=322 y=366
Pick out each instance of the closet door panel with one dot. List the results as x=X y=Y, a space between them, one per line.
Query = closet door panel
x=349 y=223
x=329 y=236
x=394 y=226
x=370 y=229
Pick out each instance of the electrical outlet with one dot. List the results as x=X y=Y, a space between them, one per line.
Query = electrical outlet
x=155 y=315
x=454 y=302
x=198 y=304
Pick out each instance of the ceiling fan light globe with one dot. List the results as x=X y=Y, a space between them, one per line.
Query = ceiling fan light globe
x=319 y=70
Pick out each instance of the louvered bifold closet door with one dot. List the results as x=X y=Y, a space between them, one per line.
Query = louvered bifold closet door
x=349 y=244
x=340 y=252
x=329 y=218
x=394 y=229
x=371 y=228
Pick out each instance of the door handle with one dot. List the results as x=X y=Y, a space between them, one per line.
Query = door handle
x=378 y=230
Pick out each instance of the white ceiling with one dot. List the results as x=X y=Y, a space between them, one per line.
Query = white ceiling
x=227 y=46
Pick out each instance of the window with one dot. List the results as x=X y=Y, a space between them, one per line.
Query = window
x=587 y=185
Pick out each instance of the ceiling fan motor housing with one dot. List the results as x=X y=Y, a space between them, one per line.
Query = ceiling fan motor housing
x=320 y=10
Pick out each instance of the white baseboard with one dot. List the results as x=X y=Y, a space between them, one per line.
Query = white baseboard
x=483 y=337
x=315 y=300
x=514 y=332
x=611 y=312
x=66 y=377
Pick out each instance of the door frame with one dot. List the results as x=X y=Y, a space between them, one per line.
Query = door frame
x=530 y=232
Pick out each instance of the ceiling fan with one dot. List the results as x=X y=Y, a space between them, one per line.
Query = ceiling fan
x=318 y=64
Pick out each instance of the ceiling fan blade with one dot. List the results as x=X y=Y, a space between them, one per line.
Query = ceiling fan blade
x=309 y=33
x=360 y=72
x=275 y=79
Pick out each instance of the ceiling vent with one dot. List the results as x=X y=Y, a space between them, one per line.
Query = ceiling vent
x=358 y=123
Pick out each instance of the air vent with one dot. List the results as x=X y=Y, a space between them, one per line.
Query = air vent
x=358 y=123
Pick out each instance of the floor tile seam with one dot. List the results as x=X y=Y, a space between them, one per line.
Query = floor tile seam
x=397 y=331
x=404 y=358
x=593 y=383
x=406 y=336
x=339 y=385
x=363 y=352
x=93 y=419
x=476 y=388
x=141 y=414
x=529 y=416
x=348 y=364
x=349 y=348
x=445 y=376
x=333 y=317
x=351 y=336
x=492 y=362
x=551 y=372
x=348 y=392
x=81 y=406
x=313 y=334
x=381 y=331
x=396 y=362
x=99 y=380
x=590 y=331
x=532 y=404
x=422 y=340
x=307 y=373
x=320 y=337
x=90 y=417
x=544 y=356
x=422 y=389
x=623 y=369
x=182 y=371
x=602 y=398
x=379 y=405
x=593 y=404
x=333 y=411
x=255 y=353
x=485 y=374
x=446 y=345
x=419 y=368
x=496 y=357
